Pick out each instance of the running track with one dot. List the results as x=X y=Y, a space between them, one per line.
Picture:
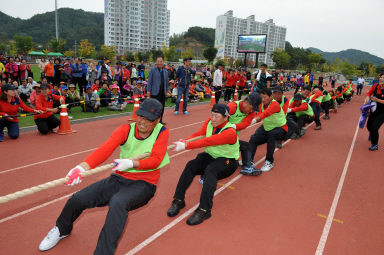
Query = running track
x=327 y=172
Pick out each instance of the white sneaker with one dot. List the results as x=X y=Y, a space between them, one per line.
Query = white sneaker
x=52 y=238
x=267 y=166
x=240 y=162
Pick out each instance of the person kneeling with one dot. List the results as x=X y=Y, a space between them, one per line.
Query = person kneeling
x=300 y=112
x=219 y=161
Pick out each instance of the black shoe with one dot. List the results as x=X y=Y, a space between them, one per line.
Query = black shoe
x=295 y=136
x=199 y=216
x=175 y=208
x=279 y=145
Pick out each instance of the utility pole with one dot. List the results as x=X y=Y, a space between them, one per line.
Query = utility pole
x=57 y=22
x=75 y=49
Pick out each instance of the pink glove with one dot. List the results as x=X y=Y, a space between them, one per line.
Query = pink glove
x=74 y=175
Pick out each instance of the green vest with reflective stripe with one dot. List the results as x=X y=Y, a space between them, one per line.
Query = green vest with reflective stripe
x=282 y=102
x=320 y=98
x=133 y=147
x=327 y=98
x=275 y=120
x=226 y=150
x=238 y=116
x=308 y=112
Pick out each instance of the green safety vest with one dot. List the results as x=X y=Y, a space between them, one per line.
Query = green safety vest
x=307 y=112
x=225 y=150
x=327 y=98
x=133 y=147
x=238 y=116
x=275 y=120
x=282 y=101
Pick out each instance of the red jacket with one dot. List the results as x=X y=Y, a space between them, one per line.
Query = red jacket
x=12 y=107
x=42 y=104
x=22 y=71
x=273 y=107
x=11 y=67
x=118 y=137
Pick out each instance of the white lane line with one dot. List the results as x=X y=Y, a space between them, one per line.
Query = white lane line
x=331 y=214
x=76 y=153
x=34 y=208
x=187 y=213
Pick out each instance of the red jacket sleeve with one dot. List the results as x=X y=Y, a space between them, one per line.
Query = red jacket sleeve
x=370 y=92
x=57 y=98
x=118 y=137
x=300 y=108
x=245 y=122
x=274 y=107
x=318 y=93
x=228 y=136
x=232 y=108
x=201 y=131
x=285 y=106
x=25 y=107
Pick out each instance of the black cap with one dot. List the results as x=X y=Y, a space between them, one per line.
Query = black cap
x=297 y=97
x=44 y=86
x=7 y=87
x=255 y=100
x=277 y=89
x=150 y=109
x=186 y=59
x=223 y=109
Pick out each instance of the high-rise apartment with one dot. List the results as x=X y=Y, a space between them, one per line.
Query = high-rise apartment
x=136 y=25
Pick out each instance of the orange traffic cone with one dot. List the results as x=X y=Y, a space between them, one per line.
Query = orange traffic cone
x=65 y=127
x=235 y=97
x=213 y=100
x=181 y=105
x=136 y=106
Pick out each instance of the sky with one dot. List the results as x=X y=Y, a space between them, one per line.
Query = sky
x=330 y=25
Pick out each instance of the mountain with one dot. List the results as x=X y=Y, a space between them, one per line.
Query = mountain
x=73 y=25
x=353 y=56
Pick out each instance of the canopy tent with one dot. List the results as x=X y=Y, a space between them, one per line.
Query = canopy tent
x=36 y=53
x=54 y=54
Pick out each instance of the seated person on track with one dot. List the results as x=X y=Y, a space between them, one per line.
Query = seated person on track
x=130 y=186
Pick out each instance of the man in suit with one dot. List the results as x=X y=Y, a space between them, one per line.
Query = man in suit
x=158 y=84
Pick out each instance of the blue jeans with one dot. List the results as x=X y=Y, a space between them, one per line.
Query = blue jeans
x=13 y=128
x=182 y=91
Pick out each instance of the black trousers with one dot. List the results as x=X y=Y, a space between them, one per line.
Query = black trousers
x=326 y=106
x=301 y=121
x=227 y=94
x=292 y=128
x=161 y=99
x=261 y=136
x=218 y=93
x=359 y=89
x=24 y=97
x=44 y=125
x=316 y=110
x=375 y=120
x=212 y=169
x=240 y=91
x=245 y=152
x=120 y=194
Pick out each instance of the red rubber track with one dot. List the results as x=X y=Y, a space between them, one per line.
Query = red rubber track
x=275 y=213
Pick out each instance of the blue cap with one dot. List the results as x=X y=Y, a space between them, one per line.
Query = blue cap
x=88 y=87
x=64 y=87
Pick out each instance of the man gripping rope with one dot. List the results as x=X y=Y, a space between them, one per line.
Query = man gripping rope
x=130 y=186
x=219 y=161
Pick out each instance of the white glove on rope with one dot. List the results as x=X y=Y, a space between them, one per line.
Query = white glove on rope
x=289 y=110
x=179 y=146
x=74 y=175
x=122 y=164
x=253 y=121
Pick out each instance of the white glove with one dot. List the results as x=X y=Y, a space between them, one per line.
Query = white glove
x=74 y=175
x=122 y=164
x=289 y=110
x=179 y=146
x=253 y=121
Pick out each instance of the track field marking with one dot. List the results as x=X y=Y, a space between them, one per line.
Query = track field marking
x=188 y=212
x=73 y=154
x=331 y=214
x=230 y=187
x=325 y=217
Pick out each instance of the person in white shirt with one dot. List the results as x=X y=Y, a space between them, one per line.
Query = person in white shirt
x=360 y=84
x=218 y=82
